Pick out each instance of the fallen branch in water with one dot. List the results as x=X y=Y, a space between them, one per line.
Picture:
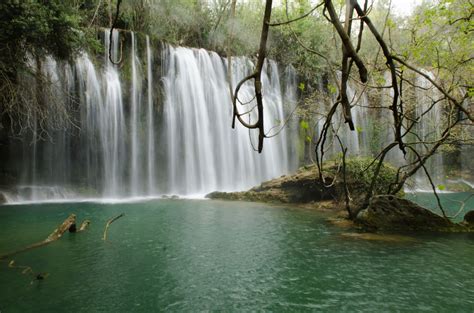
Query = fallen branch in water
x=108 y=224
x=28 y=270
x=84 y=225
x=68 y=224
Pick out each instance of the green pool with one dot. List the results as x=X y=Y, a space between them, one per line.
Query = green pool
x=195 y=255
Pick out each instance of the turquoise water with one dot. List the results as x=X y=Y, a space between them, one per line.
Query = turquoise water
x=455 y=204
x=191 y=255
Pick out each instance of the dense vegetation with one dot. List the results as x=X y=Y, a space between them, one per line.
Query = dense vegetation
x=31 y=30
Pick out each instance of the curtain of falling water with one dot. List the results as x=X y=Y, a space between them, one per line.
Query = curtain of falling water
x=135 y=174
x=113 y=125
x=115 y=149
x=428 y=129
x=203 y=152
x=150 y=121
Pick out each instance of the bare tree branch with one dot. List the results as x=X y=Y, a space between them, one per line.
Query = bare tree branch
x=256 y=76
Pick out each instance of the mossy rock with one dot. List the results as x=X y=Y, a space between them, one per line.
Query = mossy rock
x=359 y=175
x=390 y=213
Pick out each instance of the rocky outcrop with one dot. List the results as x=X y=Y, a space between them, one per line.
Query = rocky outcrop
x=390 y=213
x=302 y=187
x=305 y=186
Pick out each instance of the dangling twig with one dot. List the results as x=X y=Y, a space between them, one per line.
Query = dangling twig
x=256 y=76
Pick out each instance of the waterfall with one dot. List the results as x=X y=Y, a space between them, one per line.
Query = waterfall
x=203 y=152
x=150 y=121
x=135 y=170
x=290 y=102
x=160 y=123
x=113 y=123
x=428 y=129
x=136 y=133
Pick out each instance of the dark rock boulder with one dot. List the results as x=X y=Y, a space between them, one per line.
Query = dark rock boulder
x=469 y=218
x=391 y=213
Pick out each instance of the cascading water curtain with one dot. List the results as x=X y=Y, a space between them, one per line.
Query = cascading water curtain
x=127 y=142
x=204 y=153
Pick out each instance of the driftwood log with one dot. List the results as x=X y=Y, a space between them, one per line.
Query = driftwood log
x=68 y=224
x=108 y=224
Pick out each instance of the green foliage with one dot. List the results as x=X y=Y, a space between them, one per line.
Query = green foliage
x=183 y=22
x=359 y=168
x=40 y=27
x=304 y=125
x=313 y=32
x=332 y=89
x=360 y=172
x=30 y=30
x=443 y=37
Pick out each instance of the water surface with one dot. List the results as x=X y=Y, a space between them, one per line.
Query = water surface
x=191 y=255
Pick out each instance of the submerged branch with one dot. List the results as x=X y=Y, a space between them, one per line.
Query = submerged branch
x=84 y=225
x=108 y=224
x=68 y=224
